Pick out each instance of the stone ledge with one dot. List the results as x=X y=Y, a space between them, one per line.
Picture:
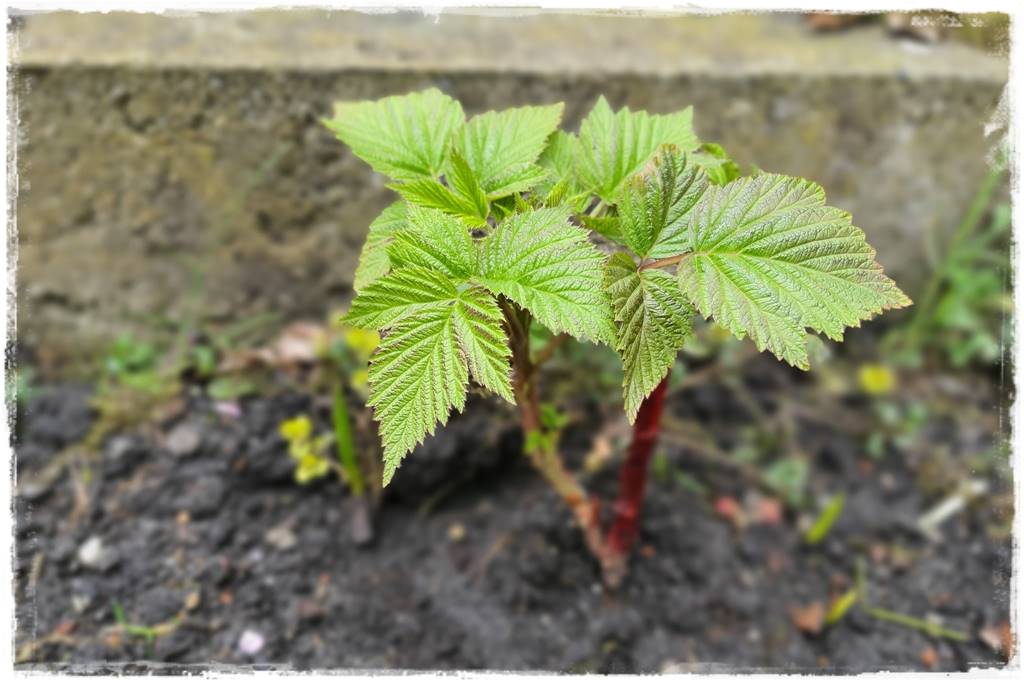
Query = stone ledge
x=738 y=45
x=174 y=167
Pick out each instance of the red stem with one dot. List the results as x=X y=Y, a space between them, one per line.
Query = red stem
x=632 y=481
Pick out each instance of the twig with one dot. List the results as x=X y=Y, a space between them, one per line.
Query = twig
x=478 y=571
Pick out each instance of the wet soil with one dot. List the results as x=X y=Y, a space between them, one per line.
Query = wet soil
x=232 y=563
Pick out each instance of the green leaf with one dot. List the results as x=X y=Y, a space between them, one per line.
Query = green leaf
x=405 y=137
x=769 y=259
x=560 y=158
x=503 y=208
x=717 y=163
x=421 y=369
x=436 y=241
x=501 y=147
x=465 y=198
x=478 y=324
x=404 y=292
x=546 y=265
x=466 y=186
x=819 y=530
x=842 y=605
x=653 y=321
x=614 y=145
x=606 y=226
x=417 y=376
x=519 y=179
x=655 y=204
x=561 y=154
x=430 y=194
x=373 y=260
x=788 y=476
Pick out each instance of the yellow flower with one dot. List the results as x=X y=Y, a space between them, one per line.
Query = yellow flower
x=296 y=429
x=300 y=449
x=876 y=380
x=310 y=467
x=362 y=342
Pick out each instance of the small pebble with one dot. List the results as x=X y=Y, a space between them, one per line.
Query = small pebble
x=183 y=440
x=251 y=642
x=281 y=537
x=120 y=446
x=94 y=554
x=228 y=409
x=456 y=532
x=80 y=603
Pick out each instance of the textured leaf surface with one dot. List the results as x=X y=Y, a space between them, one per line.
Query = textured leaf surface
x=467 y=187
x=373 y=260
x=652 y=322
x=717 y=163
x=416 y=377
x=437 y=334
x=561 y=158
x=546 y=265
x=430 y=194
x=402 y=293
x=655 y=204
x=436 y=241
x=478 y=324
x=463 y=197
x=501 y=147
x=769 y=259
x=607 y=226
x=614 y=145
x=405 y=137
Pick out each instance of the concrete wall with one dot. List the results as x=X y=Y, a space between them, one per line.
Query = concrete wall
x=171 y=166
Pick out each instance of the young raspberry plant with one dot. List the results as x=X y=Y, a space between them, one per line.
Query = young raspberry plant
x=498 y=229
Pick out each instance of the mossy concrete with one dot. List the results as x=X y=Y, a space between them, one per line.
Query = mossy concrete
x=173 y=168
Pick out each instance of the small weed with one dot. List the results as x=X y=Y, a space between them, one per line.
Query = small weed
x=858 y=597
x=965 y=312
x=826 y=520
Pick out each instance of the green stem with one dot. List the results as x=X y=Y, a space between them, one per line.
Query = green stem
x=540 y=446
x=661 y=263
x=918 y=624
x=343 y=440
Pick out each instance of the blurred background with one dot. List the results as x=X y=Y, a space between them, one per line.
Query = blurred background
x=196 y=468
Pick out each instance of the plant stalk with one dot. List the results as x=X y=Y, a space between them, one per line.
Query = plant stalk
x=632 y=482
x=611 y=550
x=540 y=447
x=360 y=524
x=661 y=263
x=343 y=440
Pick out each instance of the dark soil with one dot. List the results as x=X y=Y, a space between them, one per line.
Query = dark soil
x=489 y=572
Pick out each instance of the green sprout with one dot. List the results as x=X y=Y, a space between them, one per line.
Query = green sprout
x=819 y=530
